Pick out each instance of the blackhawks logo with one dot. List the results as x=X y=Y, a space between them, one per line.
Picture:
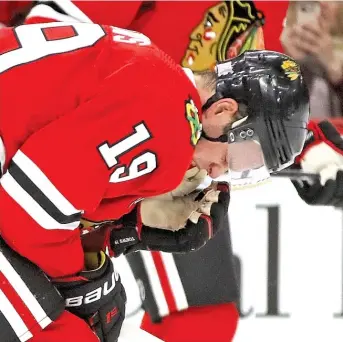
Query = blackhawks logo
x=227 y=29
x=192 y=115
x=291 y=69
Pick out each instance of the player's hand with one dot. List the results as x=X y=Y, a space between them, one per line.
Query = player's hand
x=97 y=296
x=322 y=154
x=180 y=221
x=172 y=210
x=192 y=236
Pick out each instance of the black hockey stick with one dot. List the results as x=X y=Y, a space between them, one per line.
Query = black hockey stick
x=297 y=175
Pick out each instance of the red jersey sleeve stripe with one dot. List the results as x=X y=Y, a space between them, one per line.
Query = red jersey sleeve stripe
x=18 y=305
x=38 y=196
x=17 y=326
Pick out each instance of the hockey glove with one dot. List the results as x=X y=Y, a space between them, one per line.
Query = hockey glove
x=179 y=221
x=134 y=235
x=192 y=236
x=97 y=296
x=322 y=154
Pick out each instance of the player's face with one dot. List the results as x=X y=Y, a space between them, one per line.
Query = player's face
x=211 y=156
x=217 y=157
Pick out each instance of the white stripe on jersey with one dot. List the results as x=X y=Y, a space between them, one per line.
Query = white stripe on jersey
x=43 y=183
x=24 y=292
x=2 y=156
x=14 y=319
x=174 y=281
x=155 y=283
x=30 y=205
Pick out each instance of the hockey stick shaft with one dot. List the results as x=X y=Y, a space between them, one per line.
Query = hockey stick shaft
x=297 y=175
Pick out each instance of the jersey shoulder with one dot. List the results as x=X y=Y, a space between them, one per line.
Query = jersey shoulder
x=116 y=13
x=147 y=89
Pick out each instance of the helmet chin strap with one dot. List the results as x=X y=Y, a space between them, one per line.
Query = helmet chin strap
x=223 y=138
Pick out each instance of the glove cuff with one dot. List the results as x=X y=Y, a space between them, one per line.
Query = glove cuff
x=320 y=132
x=122 y=240
x=133 y=220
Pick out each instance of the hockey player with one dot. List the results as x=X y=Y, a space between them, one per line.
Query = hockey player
x=89 y=139
x=181 y=40
x=205 y=32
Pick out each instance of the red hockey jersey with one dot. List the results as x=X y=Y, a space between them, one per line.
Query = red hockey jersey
x=89 y=114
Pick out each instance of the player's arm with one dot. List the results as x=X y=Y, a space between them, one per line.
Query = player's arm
x=180 y=221
x=103 y=149
x=65 y=169
x=56 y=175
x=46 y=189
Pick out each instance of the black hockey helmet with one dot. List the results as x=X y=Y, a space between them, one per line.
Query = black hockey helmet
x=277 y=100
